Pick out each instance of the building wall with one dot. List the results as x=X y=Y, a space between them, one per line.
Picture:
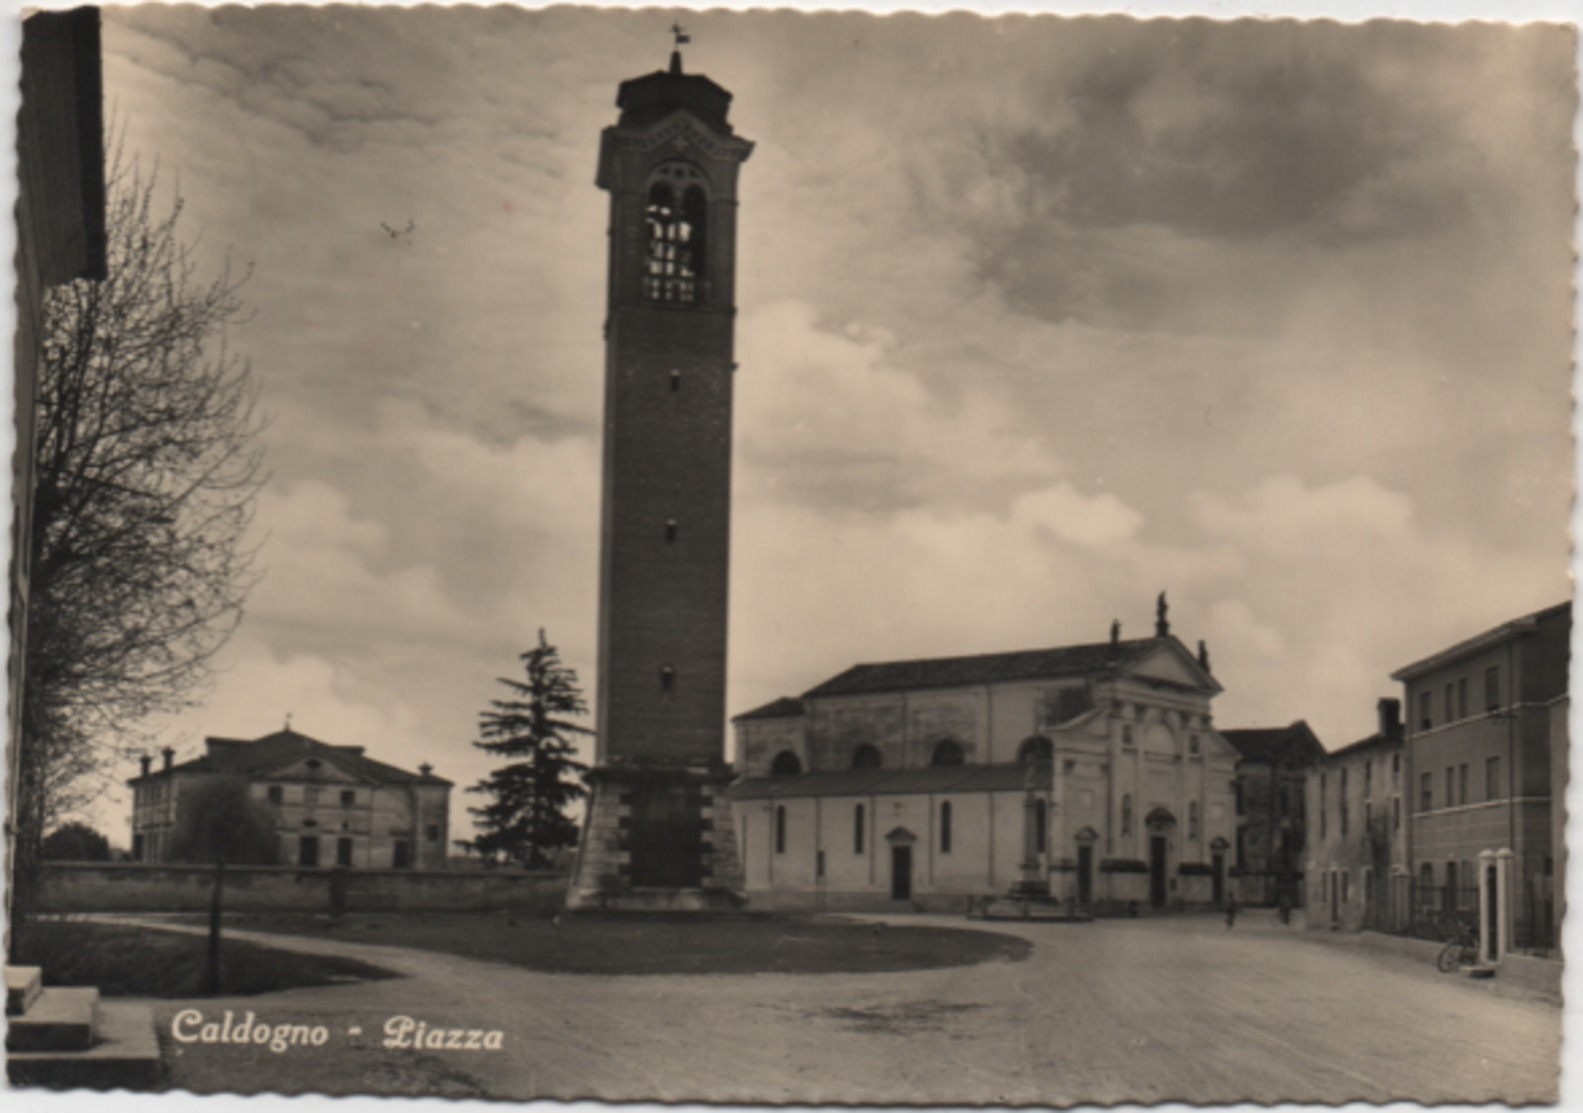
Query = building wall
x=378 y=818
x=103 y=887
x=1136 y=749
x=1356 y=870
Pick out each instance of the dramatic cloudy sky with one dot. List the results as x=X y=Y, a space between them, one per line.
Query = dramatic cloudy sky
x=1038 y=317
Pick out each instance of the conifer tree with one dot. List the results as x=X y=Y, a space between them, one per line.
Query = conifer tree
x=527 y=817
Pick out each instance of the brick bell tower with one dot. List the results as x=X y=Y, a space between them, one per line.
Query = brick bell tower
x=659 y=832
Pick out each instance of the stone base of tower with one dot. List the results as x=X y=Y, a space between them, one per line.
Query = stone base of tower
x=657 y=839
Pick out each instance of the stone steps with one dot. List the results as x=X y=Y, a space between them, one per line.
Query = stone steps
x=66 y=1038
x=23 y=984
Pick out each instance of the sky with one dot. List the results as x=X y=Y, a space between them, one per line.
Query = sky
x=1038 y=317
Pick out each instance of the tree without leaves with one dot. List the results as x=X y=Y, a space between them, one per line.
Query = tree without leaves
x=220 y=822
x=147 y=467
x=528 y=816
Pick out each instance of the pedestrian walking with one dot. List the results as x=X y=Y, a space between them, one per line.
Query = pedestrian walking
x=1284 y=907
x=1231 y=913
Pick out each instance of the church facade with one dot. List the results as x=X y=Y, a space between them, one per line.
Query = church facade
x=1091 y=773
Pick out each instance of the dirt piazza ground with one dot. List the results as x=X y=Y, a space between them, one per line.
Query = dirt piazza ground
x=1135 y=1010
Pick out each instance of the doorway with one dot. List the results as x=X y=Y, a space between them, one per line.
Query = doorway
x=308 y=851
x=1220 y=880
x=1335 y=899
x=1157 y=871
x=901 y=872
x=1085 y=875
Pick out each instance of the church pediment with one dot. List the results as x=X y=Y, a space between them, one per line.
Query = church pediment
x=1159 y=819
x=900 y=835
x=1172 y=664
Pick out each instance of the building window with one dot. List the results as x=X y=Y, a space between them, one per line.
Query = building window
x=1462 y=783
x=1126 y=735
x=1425 y=721
x=1396 y=767
x=1126 y=814
x=1462 y=698
x=1324 y=803
x=945 y=827
x=348 y=797
x=670 y=531
x=1492 y=778
x=947 y=753
x=1451 y=707
x=1192 y=743
x=676 y=382
x=858 y=820
x=780 y=830
x=786 y=764
x=1041 y=837
x=1426 y=793
x=867 y=757
x=137 y=848
x=401 y=854
x=308 y=851
x=1492 y=688
x=667 y=678
x=343 y=852
x=1192 y=819
x=1346 y=878
x=277 y=795
x=1236 y=793
x=1451 y=787
x=1242 y=848
x=1396 y=813
x=675 y=257
x=432 y=832
x=1426 y=884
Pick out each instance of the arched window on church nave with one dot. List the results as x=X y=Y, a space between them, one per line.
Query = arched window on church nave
x=867 y=757
x=786 y=764
x=677 y=217
x=1192 y=819
x=948 y=753
x=1036 y=748
x=858 y=819
x=780 y=830
x=1126 y=814
x=945 y=827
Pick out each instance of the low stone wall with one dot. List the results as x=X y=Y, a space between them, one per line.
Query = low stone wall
x=135 y=887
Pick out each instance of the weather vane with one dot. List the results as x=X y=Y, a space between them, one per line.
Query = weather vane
x=682 y=37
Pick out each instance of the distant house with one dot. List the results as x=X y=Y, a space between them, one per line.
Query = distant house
x=1091 y=774
x=1487 y=747
x=1357 y=868
x=1272 y=764
x=335 y=806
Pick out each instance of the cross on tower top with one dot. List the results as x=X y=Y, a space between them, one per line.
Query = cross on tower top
x=682 y=38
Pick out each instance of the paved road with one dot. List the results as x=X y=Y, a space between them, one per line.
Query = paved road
x=1141 y=1011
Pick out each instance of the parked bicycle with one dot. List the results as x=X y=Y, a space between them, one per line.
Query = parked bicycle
x=1462 y=949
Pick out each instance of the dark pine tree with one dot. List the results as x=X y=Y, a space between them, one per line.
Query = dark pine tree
x=527 y=817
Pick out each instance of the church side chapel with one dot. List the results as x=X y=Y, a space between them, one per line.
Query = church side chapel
x=1091 y=774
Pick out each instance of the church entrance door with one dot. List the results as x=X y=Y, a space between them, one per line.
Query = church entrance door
x=1085 y=874
x=1220 y=880
x=1157 y=871
x=901 y=872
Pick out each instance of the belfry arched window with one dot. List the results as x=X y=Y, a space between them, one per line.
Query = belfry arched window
x=677 y=220
x=1126 y=815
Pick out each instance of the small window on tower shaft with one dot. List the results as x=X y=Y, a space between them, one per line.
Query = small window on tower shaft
x=670 y=531
x=667 y=679
x=676 y=381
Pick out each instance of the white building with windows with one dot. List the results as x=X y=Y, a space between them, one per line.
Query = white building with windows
x=1091 y=772
x=334 y=805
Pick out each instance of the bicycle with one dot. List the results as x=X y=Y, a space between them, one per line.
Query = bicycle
x=1461 y=950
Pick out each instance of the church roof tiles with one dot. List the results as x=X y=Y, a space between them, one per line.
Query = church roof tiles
x=986 y=668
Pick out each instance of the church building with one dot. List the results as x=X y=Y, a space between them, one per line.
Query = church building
x=1089 y=773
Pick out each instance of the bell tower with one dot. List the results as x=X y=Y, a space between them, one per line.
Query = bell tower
x=658 y=832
